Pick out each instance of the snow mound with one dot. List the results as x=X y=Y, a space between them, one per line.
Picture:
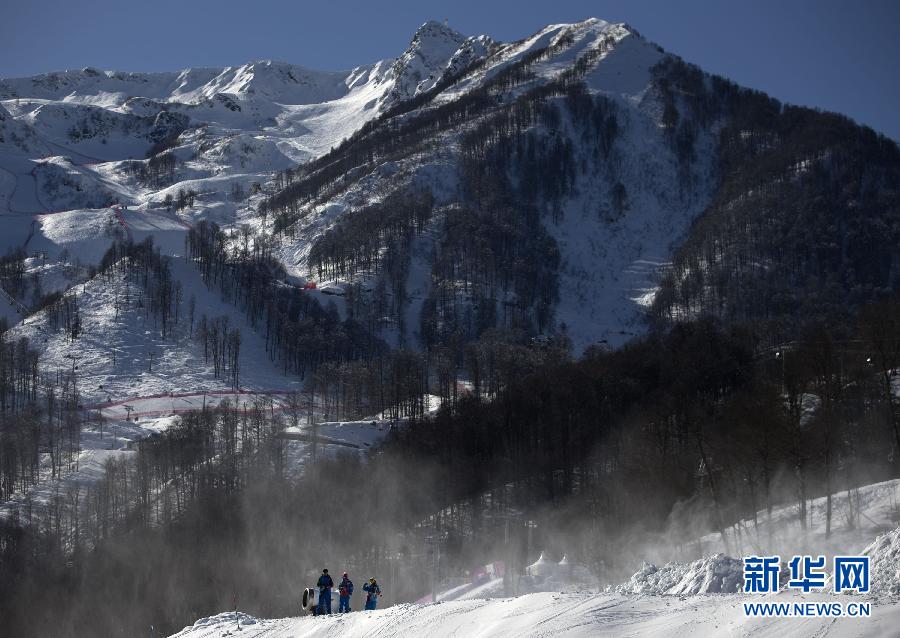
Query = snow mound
x=238 y=618
x=885 y=563
x=715 y=574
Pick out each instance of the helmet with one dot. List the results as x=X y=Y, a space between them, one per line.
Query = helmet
x=345 y=573
x=324 y=571
x=371 y=580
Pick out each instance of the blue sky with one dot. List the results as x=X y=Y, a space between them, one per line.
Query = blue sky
x=836 y=55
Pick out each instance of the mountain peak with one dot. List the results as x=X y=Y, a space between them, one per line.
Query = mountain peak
x=426 y=58
x=432 y=29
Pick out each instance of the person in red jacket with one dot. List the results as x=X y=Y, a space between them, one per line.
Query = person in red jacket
x=345 y=590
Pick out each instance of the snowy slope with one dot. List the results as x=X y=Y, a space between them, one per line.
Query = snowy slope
x=884 y=552
x=548 y=614
x=876 y=509
x=697 y=598
x=115 y=353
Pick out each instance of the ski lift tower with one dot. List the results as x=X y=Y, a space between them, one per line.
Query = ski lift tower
x=434 y=541
x=128 y=410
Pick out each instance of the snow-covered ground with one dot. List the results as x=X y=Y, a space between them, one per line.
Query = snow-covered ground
x=124 y=356
x=542 y=615
x=697 y=598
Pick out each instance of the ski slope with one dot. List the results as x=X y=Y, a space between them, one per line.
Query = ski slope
x=543 y=615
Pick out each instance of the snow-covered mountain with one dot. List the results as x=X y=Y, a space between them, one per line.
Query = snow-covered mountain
x=70 y=143
x=541 y=186
x=74 y=142
x=325 y=246
x=108 y=115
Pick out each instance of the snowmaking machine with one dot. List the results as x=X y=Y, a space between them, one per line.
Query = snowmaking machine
x=309 y=601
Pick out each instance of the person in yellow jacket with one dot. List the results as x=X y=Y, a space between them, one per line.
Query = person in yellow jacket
x=373 y=591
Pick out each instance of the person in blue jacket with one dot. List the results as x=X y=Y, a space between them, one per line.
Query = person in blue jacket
x=373 y=591
x=324 y=584
x=345 y=590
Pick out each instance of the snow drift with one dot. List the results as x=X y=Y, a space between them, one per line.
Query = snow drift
x=885 y=564
x=717 y=574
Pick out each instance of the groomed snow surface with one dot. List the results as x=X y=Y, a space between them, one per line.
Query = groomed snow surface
x=554 y=614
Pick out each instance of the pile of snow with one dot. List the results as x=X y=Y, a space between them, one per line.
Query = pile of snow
x=885 y=564
x=715 y=574
x=236 y=617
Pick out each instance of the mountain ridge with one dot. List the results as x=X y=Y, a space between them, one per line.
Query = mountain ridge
x=615 y=166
